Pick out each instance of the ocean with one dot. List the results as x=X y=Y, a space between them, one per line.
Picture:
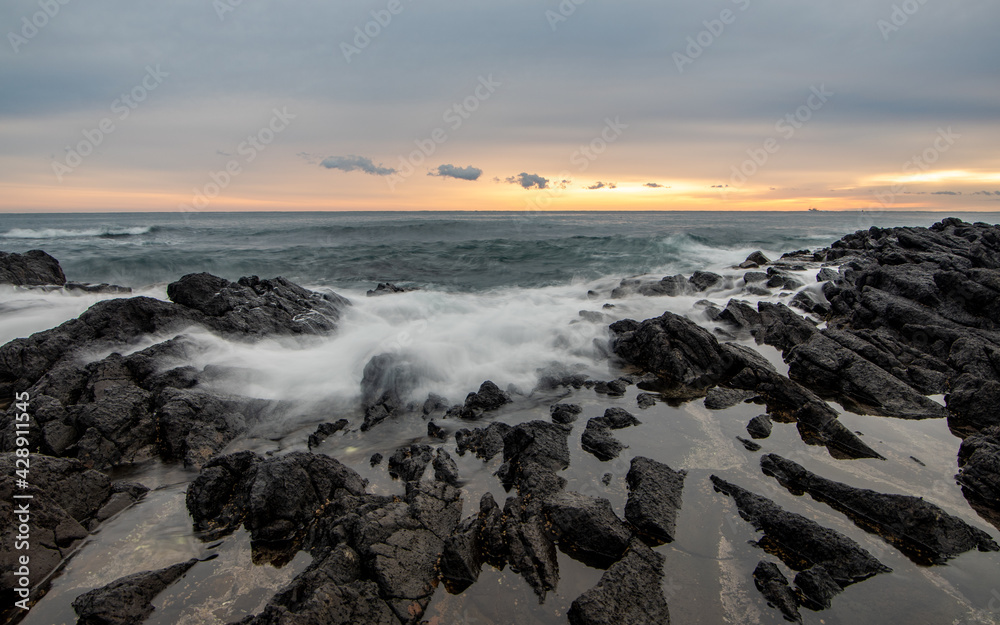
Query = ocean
x=509 y=297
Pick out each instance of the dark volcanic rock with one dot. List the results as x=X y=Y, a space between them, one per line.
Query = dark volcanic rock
x=326 y=430
x=484 y=442
x=645 y=400
x=720 y=398
x=32 y=268
x=924 y=532
x=387 y=381
x=68 y=500
x=275 y=499
x=532 y=453
x=816 y=589
x=489 y=397
x=127 y=601
x=760 y=426
x=587 y=528
x=801 y=542
x=758 y=258
x=703 y=280
x=749 y=445
x=387 y=288
x=979 y=475
x=598 y=440
x=654 y=499
x=629 y=593
x=445 y=468
x=774 y=586
x=565 y=413
x=408 y=463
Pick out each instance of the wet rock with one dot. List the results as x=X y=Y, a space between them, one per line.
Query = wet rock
x=759 y=427
x=629 y=593
x=587 y=528
x=375 y=460
x=810 y=302
x=606 y=479
x=748 y=444
x=924 y=532
x=752 y=277
x=387 y=288
x=326 y=430
x=445 y=468
x=771 y=583
x=740 y=315
x=704 y=280
x=485 y=443
x=618 y=418
x=801 y=542
x=529 y=547
x=720 y=398
x=434 y=403
x=674 y=348
x=409 y=463
x=31 y=268
x=826 y=274
x=127 y=601
x=436 y=431
x=387 y=380
x=654 y=499
x=645 y=400
x=488 y=398
x=276 y=499
x=565 y=413
x=68 y=499
x=598 y=440
x=979 y=473
x=532 y=453
x=816 y=589
x=667 y=286
x=104 y=288
x=758 y=258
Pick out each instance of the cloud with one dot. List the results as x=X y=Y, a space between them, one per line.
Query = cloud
x=986 y=193
x=462 y=173
x=354 y=163
x=655 y=185
x=602 y=185
x=527 y=180
x=946 y=193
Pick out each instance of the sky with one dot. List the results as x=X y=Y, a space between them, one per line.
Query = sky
x=216 y=105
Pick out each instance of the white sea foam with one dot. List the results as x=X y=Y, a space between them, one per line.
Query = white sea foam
x=60 y=233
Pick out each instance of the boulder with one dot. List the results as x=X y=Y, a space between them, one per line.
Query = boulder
x=654 y=499
x=32 y=268
x=629 y=593
x=127 y=601
x=771 y=583
x=587 y=528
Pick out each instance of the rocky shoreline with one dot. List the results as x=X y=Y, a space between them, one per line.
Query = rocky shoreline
x=899 y=315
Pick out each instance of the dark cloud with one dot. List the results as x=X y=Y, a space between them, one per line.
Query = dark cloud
x=356 y=163
x=986 y=193
x=528 y=181
x=462 y=173
x=602 y=185
x=946 y=193
x=655 y=185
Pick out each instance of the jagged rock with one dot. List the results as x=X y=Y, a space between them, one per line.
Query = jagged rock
x=564 y=413
x=771 y=583
x=654 y=499
x=436 y=431
x=629 y=593
x=488 y=398
x=645 y=400
x=375 y=460
x=445 y=468
x=434 y=403
x=748 y=444
x=68 y=499
x=484 y=442
x=409 y=463
x=31 y=268
x=532 y=454
x=720 y=398
x=816 y=589
x=758 y=258
x=759 y=427
x=924 y=532
x=826 y=274
x=752 y=277
x=587 y=528
x=104 y=288
x=276 y=499
x=704 y=280
x=326 y=430
x=979 y=473
x=387 y=380
x=387 y=288
x=127 y=601
x=598 y=440
x=801 y=542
